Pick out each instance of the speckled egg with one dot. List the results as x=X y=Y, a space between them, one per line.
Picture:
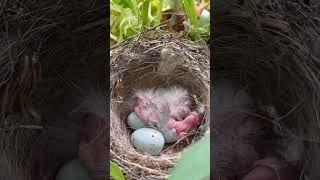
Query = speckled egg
x=134 y=121
x=148 y=140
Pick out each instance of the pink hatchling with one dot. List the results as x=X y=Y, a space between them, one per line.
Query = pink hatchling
x=168 y=110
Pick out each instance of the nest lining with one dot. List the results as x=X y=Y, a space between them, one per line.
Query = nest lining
x=136 y=65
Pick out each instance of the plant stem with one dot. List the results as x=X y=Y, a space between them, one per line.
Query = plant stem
x=190 y=10
x=144 y=12
x=159 y=12
x=134 y=7
x=174 y=15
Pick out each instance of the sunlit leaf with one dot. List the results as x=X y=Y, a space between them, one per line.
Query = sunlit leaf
x=115 y=171
x=144 y=11
x=167 y=4
x=129 y=17
x=190 y=9
x=194 y=163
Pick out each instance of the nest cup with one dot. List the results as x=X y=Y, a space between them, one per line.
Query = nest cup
x=144 y=62
x=272 y=49
x=45 y=46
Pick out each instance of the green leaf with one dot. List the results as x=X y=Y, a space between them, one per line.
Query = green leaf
x=116 y=172
x=129 y=17
x=113 y=37
x=190 y=9
x=158 y=5
x=145 y=11
x=134 y=6
x=194 y=163
x=167 y=4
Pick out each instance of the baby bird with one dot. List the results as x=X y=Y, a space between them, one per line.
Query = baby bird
x=93 y=147
x=244 y=144
x=168 y=110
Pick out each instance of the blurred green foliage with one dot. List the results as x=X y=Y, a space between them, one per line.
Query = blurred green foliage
x=194 y=163
x=115 y=172
x=129 y=17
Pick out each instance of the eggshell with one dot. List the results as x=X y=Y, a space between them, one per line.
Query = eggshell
x=134 y=121
x=73 y=170
x=148 y=140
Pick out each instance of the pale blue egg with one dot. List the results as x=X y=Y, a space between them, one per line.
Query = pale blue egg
x=134 y=121
x=148 y=140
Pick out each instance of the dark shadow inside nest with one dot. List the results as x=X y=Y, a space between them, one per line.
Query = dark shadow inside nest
x=269 y=79
x=53 y=56
x=279 y=70
x=71 y=74
x=274 y=99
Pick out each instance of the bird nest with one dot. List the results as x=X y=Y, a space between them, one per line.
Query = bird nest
x=273 y=48
x=154 y=59
x=39 y=50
